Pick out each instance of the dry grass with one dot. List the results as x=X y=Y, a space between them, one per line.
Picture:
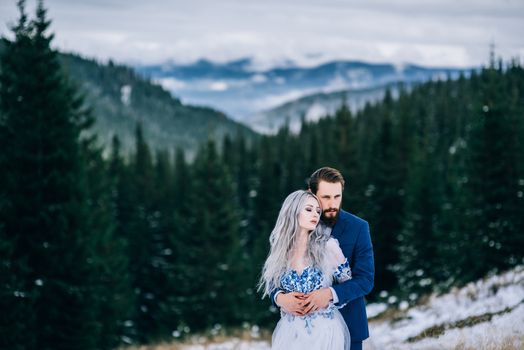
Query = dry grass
x=164 y=346
x=394 y=314
x=436 y=331
x=390 y=314
x=206 y=339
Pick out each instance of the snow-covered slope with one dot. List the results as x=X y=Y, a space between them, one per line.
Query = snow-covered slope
x=487 y=314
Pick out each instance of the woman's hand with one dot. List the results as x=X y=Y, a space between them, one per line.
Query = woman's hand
x=316 y=300
x=292 y=303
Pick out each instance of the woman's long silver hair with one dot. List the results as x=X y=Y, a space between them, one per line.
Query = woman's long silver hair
x=283 y=239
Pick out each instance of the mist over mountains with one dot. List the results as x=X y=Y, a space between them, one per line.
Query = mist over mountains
x=266 y=99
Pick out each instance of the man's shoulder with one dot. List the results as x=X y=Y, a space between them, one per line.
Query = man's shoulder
x=351 y=219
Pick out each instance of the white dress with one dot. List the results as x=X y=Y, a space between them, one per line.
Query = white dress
x=323 y=329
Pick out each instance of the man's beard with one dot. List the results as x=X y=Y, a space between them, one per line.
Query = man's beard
x=330 y=221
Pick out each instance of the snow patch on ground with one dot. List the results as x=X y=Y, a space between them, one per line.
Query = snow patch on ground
x=503 y=294
x=235 y=344
x=499 y=299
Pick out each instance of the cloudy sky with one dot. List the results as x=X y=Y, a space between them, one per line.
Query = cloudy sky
x=427 y=32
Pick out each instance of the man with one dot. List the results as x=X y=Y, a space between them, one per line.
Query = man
x=353 y=236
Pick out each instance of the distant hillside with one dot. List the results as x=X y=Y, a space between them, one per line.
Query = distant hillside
x=314 y=107
x=120 y=99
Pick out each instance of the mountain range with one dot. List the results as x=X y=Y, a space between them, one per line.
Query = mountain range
x=182 y=105
x=266 y=99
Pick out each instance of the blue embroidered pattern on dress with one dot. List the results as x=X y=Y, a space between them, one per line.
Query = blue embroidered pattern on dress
x=343 y=272
x=309 y=280
x=326 y=313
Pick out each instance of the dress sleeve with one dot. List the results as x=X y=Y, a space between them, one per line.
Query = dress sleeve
x=337 y=261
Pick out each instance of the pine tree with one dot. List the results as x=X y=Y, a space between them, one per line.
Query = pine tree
x=492 y=161
x=163 y=259
x=185 y=246
x=238 y=159
x=45 y=216
x=16 y=317
x=143 y=266
x=267 y=199
x=418 y=241
x=114 y=296
x=384 y=201
x=345 y=150
x=124 y=212
x=217 y=280
x=454 y=103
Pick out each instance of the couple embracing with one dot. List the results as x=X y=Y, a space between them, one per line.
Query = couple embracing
x=319 y=268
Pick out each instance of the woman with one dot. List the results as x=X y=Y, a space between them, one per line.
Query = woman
x=303 y=258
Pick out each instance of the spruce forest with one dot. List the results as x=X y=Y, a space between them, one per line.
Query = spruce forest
x=99 y=250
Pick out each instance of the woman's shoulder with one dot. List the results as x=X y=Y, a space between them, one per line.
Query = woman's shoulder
x=332 y=243
x=333 y=248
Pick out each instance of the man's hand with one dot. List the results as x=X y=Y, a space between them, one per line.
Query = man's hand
x=316 y=300
x=292 y=303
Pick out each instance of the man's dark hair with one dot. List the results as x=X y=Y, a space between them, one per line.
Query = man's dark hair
x=327 y=174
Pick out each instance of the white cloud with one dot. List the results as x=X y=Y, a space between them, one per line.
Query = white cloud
x=171 y=84
x=272 y=101
x=218 y=86
x=433 y=33
x=259 y=78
